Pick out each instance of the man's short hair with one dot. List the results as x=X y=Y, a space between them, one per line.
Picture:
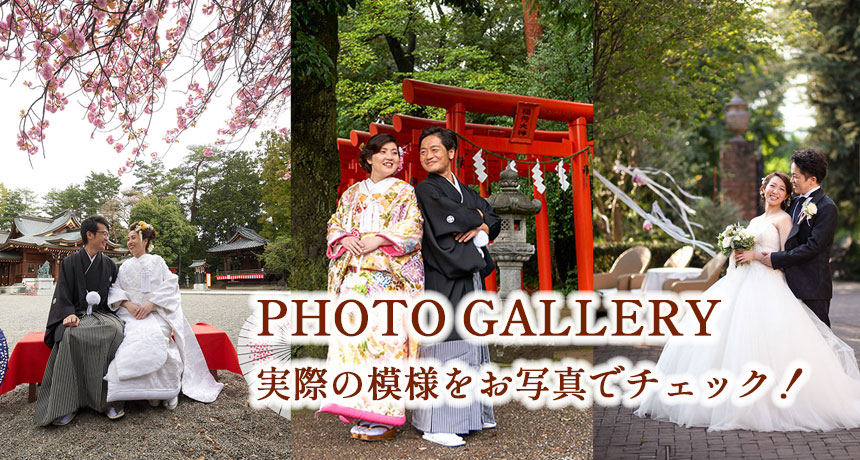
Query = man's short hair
x=91 y=224
x=811 y=162
x=448 y=138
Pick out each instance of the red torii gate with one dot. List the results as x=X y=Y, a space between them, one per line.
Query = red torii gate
x=536 y=144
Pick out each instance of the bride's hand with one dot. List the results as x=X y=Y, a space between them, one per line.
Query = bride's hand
x=372 y=243
x=132 y=307
x=742 y=257
x=353 y=245
x=144 y=310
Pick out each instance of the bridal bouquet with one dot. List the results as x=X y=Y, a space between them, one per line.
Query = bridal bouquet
x=355 y=283
x=735 y=238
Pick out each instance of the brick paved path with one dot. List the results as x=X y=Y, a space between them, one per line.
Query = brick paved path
x=618 y=434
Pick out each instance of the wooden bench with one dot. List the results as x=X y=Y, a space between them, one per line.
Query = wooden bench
x=30 y=357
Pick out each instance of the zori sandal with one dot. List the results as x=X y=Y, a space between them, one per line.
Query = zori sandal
x=359 y=429
x=378 y=432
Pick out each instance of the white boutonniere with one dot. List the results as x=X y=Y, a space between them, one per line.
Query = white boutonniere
x=808 y=210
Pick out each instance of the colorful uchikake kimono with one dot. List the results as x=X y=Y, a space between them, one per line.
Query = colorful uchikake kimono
x=387 y=209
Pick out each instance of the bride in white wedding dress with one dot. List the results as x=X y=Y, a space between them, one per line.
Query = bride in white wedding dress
x=761 y=324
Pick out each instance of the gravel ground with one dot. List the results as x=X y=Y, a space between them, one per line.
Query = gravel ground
x=520 y=433
x=225 y=429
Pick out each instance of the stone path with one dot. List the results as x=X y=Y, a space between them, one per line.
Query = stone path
x=618 y=434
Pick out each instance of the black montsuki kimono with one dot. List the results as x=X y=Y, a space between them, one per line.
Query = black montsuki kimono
x=454 y=269
x=73 y=283
x=450 y=266
x=80 y=355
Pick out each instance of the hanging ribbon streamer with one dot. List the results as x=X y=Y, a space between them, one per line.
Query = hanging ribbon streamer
x=537 y=176
x=641 y=177
x=656 y=218
x=562 y=176
x=480 y=170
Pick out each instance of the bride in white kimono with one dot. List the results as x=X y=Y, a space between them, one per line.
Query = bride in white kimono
x=149 y=364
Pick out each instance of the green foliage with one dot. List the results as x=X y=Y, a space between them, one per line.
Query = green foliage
x=563 y=64
x=830 y=55
x=13 y=203
x=229 y=196
x=663 y=72
x=86 y=198
x=276 y=257
x=275 y=219
x=174 y=232
x=311 y=54
x=385 y=41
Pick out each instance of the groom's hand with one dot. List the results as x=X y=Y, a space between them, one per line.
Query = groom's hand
x=765 y=259
x=71 y=321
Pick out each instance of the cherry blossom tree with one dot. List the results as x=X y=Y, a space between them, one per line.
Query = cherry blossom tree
x=113 y=57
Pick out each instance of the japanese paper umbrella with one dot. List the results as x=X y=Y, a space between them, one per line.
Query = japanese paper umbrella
x=4 y=356
x=259 y=354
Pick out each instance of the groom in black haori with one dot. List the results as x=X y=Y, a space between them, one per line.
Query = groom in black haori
x=805 y=259
x=458 y=225
x=82 y=332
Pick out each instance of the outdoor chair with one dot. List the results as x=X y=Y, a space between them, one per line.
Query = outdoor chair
x=632 y=261
x=679 y=259
x=710 y=274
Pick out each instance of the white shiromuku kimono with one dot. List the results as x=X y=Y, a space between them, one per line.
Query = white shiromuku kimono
x=149 y=364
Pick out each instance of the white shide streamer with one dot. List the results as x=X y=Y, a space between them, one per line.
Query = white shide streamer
x=480 y=170
x=562 y=177
x=537 y=176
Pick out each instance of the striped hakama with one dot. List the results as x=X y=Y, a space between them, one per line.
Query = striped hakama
x=447 y=419
x=74 y=376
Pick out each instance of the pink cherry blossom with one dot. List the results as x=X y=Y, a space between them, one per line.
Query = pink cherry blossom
x=113 y=59
x=150 y=18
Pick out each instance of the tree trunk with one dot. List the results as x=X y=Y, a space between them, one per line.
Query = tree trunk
x=315 y=161
x=532 y=26
x=403 y=58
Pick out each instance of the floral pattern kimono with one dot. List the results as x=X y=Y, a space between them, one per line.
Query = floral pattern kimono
x=387 y=209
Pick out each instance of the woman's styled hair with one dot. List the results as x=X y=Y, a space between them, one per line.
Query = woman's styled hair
x=373 y=146
x=146 y=232
x=785 y=179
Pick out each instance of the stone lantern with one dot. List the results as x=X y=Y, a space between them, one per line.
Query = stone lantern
x=510 y=249
x=737 y=116
x=199 y=267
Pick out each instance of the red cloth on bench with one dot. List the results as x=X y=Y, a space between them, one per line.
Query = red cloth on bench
x=30 y=356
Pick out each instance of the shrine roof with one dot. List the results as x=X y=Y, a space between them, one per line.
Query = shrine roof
x=30 y=225
x=244 y=239
x=67 y=241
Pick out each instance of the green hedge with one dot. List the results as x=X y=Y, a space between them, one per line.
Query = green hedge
x=605 y=253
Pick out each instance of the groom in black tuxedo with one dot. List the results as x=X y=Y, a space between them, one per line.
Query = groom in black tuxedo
x=806 y=257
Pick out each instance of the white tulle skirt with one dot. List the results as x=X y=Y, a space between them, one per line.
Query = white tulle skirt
x=762 y=326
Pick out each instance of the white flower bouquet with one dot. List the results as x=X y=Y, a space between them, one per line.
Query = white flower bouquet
x=735 y=238
x=356 y=283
